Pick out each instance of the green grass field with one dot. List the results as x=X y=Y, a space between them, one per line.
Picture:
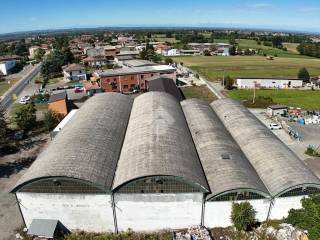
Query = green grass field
x=213 y=67
x=305 y=99
x=5 y=85
x=199 y=92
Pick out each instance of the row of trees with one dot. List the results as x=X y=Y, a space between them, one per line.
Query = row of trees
x=309 y=49
x=61 y=55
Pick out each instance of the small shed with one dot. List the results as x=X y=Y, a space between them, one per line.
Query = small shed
x=277 y=110
x=58 y=103
x=47 y=229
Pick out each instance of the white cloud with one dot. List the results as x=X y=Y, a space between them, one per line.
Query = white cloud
x=309 y=9
x=260 y=5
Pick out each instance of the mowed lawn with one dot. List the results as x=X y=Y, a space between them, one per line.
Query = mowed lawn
x=213 y=67
x=305 y=99
x=5 y=85
x=199 y=92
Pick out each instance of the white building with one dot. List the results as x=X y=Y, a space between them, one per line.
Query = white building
x=154 y=163
x=74 y=72
x=171 y=52
x=6 y=66
x=268 y=83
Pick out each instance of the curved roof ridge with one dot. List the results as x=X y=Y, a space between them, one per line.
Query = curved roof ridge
x=158 y=142
x=277 y=165
x=88 y=147
x=225 y=165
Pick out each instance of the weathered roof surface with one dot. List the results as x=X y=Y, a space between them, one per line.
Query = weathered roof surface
x=277 y=166
x=57 y=97
x=158 y=143
x=88 y=147
x=162 y=84
x=215 y=145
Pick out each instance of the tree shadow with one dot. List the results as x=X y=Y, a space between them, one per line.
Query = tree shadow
x=7 y=169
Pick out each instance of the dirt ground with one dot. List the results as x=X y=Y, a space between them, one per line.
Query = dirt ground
x=12 y=167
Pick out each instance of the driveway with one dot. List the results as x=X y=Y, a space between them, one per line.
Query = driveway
x=12 y=167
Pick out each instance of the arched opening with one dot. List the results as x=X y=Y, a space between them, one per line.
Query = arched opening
x=300 y=191
x=160 y=184
x=59 y=185
x=239 y=195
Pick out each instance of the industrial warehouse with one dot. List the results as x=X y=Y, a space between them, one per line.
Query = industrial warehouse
x=154 y=163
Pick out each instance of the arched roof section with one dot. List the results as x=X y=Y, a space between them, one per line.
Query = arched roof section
x=88 y=147
x=226 y=167
x=158 y=143
x=277 y=166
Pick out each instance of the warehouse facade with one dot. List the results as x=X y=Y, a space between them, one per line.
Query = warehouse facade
x=153 y=163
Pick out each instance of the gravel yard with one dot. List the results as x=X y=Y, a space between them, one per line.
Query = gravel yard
x=12 y=167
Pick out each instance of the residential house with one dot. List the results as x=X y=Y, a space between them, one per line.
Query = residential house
x=92 y=88
x=98 y=61
x=58 y=103
x=125 y=79
x=74 y=72
x=95 y=51
x=171 y=52
x=7 y=63
x=127 y=55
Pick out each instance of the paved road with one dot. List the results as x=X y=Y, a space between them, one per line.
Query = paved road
x=22 y=87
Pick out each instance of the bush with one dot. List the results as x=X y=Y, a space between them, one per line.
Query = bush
x=168 y=61
x=243 y=216
x=304 y=75
x=24 y=116
x=228 y=83
x=311 y=151
x=50 y=121
x=307 y=217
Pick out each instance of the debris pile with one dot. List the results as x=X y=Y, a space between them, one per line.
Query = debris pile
x=193 y=233
x=285 y=232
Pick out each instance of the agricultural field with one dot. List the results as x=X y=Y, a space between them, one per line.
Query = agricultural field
x=199 y=92
x=265 y=50
x=163 y=38
x=305 y=99
x=214 y=67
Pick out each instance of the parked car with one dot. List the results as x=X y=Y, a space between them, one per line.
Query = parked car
x=78 y=90
x=24 y=100
x=274 y=126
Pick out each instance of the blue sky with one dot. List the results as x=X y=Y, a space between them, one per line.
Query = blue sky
x=22 y=15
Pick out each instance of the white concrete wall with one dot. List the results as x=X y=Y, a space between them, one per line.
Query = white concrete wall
x=148 y=212
x=88 y=212
x=267 y=83
x=6 y=66
x=217 y=214
x=282 y=206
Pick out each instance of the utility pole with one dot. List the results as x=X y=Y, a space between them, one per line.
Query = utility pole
x=254 y=92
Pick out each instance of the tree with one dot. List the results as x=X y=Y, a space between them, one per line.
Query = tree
x=168 y=61
x=308 y=216
x=51 y=120
x=228 y=83
x=243 y=216
x=206 y=53
x=304 y=75
x=3 y=127
x=24 y=116
x=38 y=55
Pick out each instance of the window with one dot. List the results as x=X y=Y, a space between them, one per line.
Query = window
x=132 y=78
x=151 y=75
x=142 y=84
x=142 y=76
x=125 y=86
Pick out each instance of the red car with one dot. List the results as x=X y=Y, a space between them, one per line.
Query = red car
x=78 y=90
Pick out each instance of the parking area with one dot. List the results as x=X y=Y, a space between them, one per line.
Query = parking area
x=310 y=135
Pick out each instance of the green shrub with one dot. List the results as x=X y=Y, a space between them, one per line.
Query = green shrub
x=24 y=116
x=308 y=217
x=243 y=216
x=51 y=120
